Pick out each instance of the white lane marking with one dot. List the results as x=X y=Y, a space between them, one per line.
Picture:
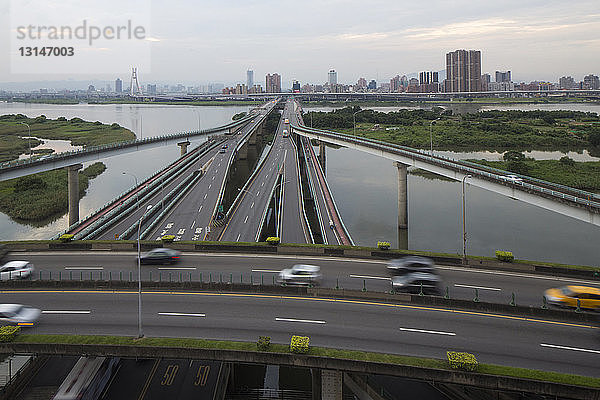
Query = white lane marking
x=209 y=185
x=553 y=346
x=198 y=230
x=85 y=268
x=477 y=287
x=193 y=224
x=266 y=270
x=179 y=268
x=200 y=209
x=181 y=231
x=205 y=194
x=370 y=277
x=169 y=225
x=66 y=312
x=262 y=184
x=213 y=178
x=238 y=238
x=310 y=321
x=426 y=331
x=252 y=205
x=246 y=219
x=176 y=314
x=257 y=193
x=517 y=274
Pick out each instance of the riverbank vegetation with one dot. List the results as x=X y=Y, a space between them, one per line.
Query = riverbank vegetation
x=13 y=133
x=40 y=198
x=486 y=130
x=431 y=103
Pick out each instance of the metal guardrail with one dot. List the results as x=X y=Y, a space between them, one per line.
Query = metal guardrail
x=550 y=189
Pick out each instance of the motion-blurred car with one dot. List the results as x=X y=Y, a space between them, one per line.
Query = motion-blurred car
x=18 y=314
x=404 y=265
x=301 y=274
x=512 y=178
x=567 y=296
x=285 y=133
x=16 y=270
x=160 y=256
x=414 y=282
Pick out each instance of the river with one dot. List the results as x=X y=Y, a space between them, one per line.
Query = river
x=364 y=187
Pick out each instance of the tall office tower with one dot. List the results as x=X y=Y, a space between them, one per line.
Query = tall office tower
x=591 y=82
x=463 y=71
x=118 y=85
x=395 y=84
x=485 y=82
x=249 y=78
x=427 y=77
x=362 y=83
x=503 y=76
x=332 y=77
x=273 y=83
x=567 y=82
x=296 y=87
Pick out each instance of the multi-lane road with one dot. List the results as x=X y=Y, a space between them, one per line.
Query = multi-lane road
x=369 y=326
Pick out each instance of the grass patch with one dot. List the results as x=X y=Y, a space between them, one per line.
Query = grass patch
x=40 y=198
x=314 y=351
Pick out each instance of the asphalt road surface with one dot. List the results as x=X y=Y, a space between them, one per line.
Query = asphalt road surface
x=358 y=325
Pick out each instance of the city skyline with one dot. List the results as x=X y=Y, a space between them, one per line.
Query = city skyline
x=392 y=38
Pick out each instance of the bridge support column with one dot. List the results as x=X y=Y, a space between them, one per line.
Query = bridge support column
x=183 y=146
x=402 y=205
x=243 y=152
x=73 y=186
x=322 y=155
x=331 y=385
x=252 y=138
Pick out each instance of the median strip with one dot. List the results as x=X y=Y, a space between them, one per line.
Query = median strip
x=310 y=321
x=553 y=346
x=426 y=331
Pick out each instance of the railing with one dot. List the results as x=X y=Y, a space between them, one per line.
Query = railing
x=554 y=190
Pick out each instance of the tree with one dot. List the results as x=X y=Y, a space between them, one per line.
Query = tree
x=513 y=155
x=566 y=161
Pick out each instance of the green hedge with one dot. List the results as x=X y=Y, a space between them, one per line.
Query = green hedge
x=505 y=256
x=464 y=361
x=383 y=245
x=8 y=333
x=264 y=342
x=299 y=344
x=273 y=240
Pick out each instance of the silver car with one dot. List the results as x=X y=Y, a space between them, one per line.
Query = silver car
x=409 y=264
x=415 y=282
x=301 y=274
x=18 y=314
x=16 y=270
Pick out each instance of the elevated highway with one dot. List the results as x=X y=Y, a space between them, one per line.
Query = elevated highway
x=568 y=201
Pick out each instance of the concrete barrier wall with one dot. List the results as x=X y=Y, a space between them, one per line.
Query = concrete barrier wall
x=364 y=367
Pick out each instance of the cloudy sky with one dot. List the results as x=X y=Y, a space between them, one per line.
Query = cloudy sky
x=216 y=41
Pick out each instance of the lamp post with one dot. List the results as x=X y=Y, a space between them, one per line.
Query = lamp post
x=464 y=219
x=354 y=122
x=198 y=114
x=28 y=137
x=431 y=137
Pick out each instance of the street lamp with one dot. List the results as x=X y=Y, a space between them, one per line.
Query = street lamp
x=354 y=122
x=28 y=137
x=431 y=137
x=198 y=114
x=464 y=219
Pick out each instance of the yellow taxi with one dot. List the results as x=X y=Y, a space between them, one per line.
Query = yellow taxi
x=567 y=296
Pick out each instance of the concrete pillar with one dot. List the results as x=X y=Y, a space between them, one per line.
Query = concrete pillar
x=252 y=138
x=322 y=155
x=402 y=196
x=73 y=185
x=183 y=146
x=243 y=152
x=331 y=385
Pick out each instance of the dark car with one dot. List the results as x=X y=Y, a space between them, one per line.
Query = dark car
x=415 y=282
x=160 y=256
x=409 y=264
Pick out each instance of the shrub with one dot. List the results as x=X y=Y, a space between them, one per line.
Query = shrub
x=505 y=256
x=8 y=333
x=167 y=238
x=567 y=161
x=299 y=344
x=264 y=342
x=115 y=126
x=39 y=120
x=383 y=245
x=67 y=237
x=464 y=361
x=272 y=240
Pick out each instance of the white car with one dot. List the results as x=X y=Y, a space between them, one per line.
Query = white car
x=18 y=314
x=301 y=274
x=16 y=270
x=512 y=178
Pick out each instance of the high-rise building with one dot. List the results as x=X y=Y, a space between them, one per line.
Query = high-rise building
x=332 y=77
x=395 y=84
x=503 y=76
x=249 y=78
x=296 y=87
x=567 y=82
x=118 y=86
x=151 y=89
x=428 y=77
x=463 y=71
x=591 y=82
x=485 y=82
x=362 y=83
x=273 y=83
x=372 y=85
